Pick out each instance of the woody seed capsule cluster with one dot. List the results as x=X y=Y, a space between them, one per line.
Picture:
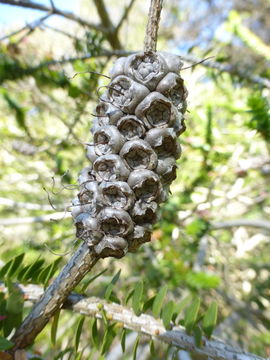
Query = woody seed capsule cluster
x=133 y=157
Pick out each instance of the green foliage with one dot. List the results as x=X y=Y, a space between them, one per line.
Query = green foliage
x=167 y=313
x=191 y=314
x=158 y=301
x=5 y=344
x=259 y=115
x=210 y=319
x=137 y=298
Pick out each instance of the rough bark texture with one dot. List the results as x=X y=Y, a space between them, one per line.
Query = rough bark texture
x=54 y=296
x=150 y=41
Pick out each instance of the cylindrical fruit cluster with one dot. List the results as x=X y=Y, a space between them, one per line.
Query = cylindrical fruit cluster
x=133 y=154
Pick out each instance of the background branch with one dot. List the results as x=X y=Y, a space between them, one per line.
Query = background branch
x=56 y=11
x=261 y=224
x=145 y=324
x=125 y=15
x=112 y=35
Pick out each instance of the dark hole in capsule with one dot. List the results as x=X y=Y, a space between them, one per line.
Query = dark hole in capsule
x=86 y=197
x=137 y=159
x=112 y=226
x=148 y=190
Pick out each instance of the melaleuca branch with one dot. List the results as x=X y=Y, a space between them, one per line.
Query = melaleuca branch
x=55 y=295
x=144 y=324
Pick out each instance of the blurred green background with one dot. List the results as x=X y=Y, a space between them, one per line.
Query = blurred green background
x=213 y=235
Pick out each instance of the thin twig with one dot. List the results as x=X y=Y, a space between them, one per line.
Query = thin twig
x=30 y=26
x=112 y=35
x=150 y=41
x=260 y=224
x=145 y=324
x=54 y=10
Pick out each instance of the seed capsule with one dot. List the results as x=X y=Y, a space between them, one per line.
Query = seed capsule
x=88 y=229
x=164 y=142
x=131 y=127
x=111 y=167
x=108 y=140
x=126 y=93
x=166 y=169
x=89 y=197
x=140 y=235
x=146 y=68
x=115 y=246
x=172 y=86
x=145 y=184
x=117 y=194
x=107 y=111
x=86 y=175
x=115 y=222
x=156 y=111
x=144 y=213
x=138 y=154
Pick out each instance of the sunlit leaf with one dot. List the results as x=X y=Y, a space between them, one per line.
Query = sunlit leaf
x=5 y=344
x=159 y=299
x=197 y=332
x=191 y=314
x=123 y=340
x=111 y=285
x=167 y=313
x=95 y=335
x=137 y=298
x=135 y=347
x=108 y=339
x=78 y=332
x=54 y=327
x=210 y=319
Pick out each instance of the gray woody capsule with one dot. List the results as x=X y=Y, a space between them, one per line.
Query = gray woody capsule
x=117 y=194
x=164 y=142
x=145 y=184
x=86 y=175
x=166 y=169
x=115 y=222
x=156 y=111
x=126 y=94
x=89 y=197
x=131 y=127
x=111 y=167
x=88 y=229
x=140 y=235
x=146 y=68
x=138 y=154
x=108 y=140
x=107 y=111
x=144 y=213
x=172 y=86
x=115 y=246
